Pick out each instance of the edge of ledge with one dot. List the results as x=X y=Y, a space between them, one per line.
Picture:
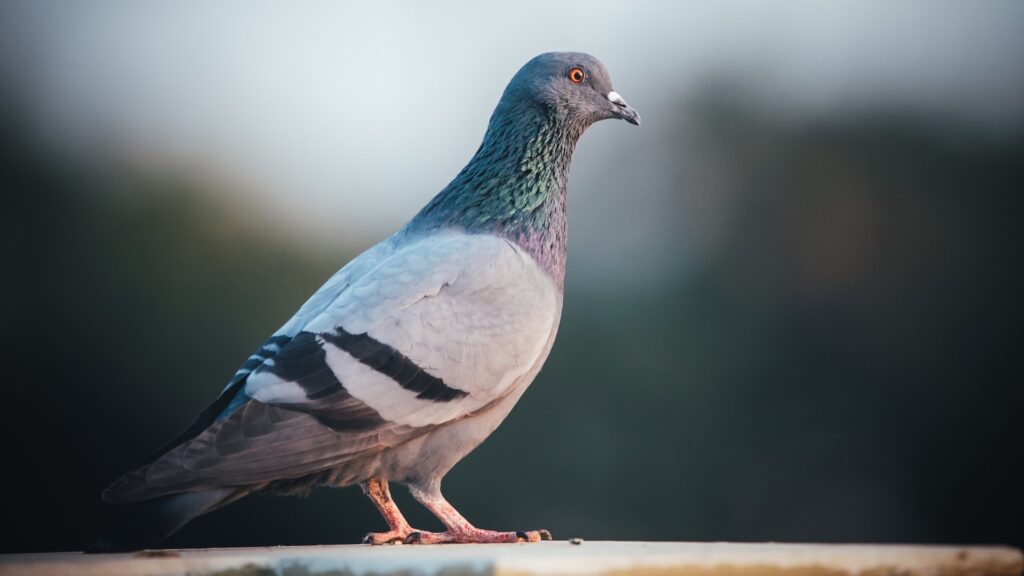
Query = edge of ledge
x=560 y=557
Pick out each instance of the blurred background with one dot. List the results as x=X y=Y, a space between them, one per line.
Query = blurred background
x=793 y=299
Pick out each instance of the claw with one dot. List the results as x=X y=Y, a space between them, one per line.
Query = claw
x=545 y=534
x=414 y=538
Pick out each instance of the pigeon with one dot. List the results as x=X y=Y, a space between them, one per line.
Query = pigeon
x=411 y=355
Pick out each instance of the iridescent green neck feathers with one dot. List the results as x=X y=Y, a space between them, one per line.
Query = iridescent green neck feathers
x=515 y=185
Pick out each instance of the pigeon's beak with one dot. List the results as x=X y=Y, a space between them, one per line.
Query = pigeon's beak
x=623 y=110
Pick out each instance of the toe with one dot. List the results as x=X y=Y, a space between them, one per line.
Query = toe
x=532 y=535
x=423 y=537
x=379 y=538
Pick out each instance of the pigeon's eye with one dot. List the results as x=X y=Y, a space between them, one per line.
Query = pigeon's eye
x=577 y=75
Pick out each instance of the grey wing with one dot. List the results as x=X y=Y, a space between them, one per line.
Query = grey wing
x=434 y=333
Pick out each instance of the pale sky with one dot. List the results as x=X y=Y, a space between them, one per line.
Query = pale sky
x=337 y=121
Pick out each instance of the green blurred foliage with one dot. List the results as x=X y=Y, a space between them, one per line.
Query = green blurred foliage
x=844 y=366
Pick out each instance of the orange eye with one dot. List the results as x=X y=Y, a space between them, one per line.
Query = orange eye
x=577 y=75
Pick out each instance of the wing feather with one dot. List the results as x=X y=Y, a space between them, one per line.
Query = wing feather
x=422 y=336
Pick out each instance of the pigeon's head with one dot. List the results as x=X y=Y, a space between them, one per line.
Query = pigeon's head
x=575 y=86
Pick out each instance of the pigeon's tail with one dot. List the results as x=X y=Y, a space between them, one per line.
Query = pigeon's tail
x=138 y=525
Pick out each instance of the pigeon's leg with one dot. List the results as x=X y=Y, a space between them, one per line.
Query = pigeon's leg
x=459 y=530
x=377 y=490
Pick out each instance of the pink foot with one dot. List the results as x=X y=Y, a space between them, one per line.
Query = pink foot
x=477 y=536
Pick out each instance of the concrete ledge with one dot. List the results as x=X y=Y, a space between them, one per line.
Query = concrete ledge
x=611 y=558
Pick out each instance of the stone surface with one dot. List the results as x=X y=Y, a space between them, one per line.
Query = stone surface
x=612 y=558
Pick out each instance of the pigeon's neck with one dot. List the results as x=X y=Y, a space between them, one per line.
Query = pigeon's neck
x=515 y=186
